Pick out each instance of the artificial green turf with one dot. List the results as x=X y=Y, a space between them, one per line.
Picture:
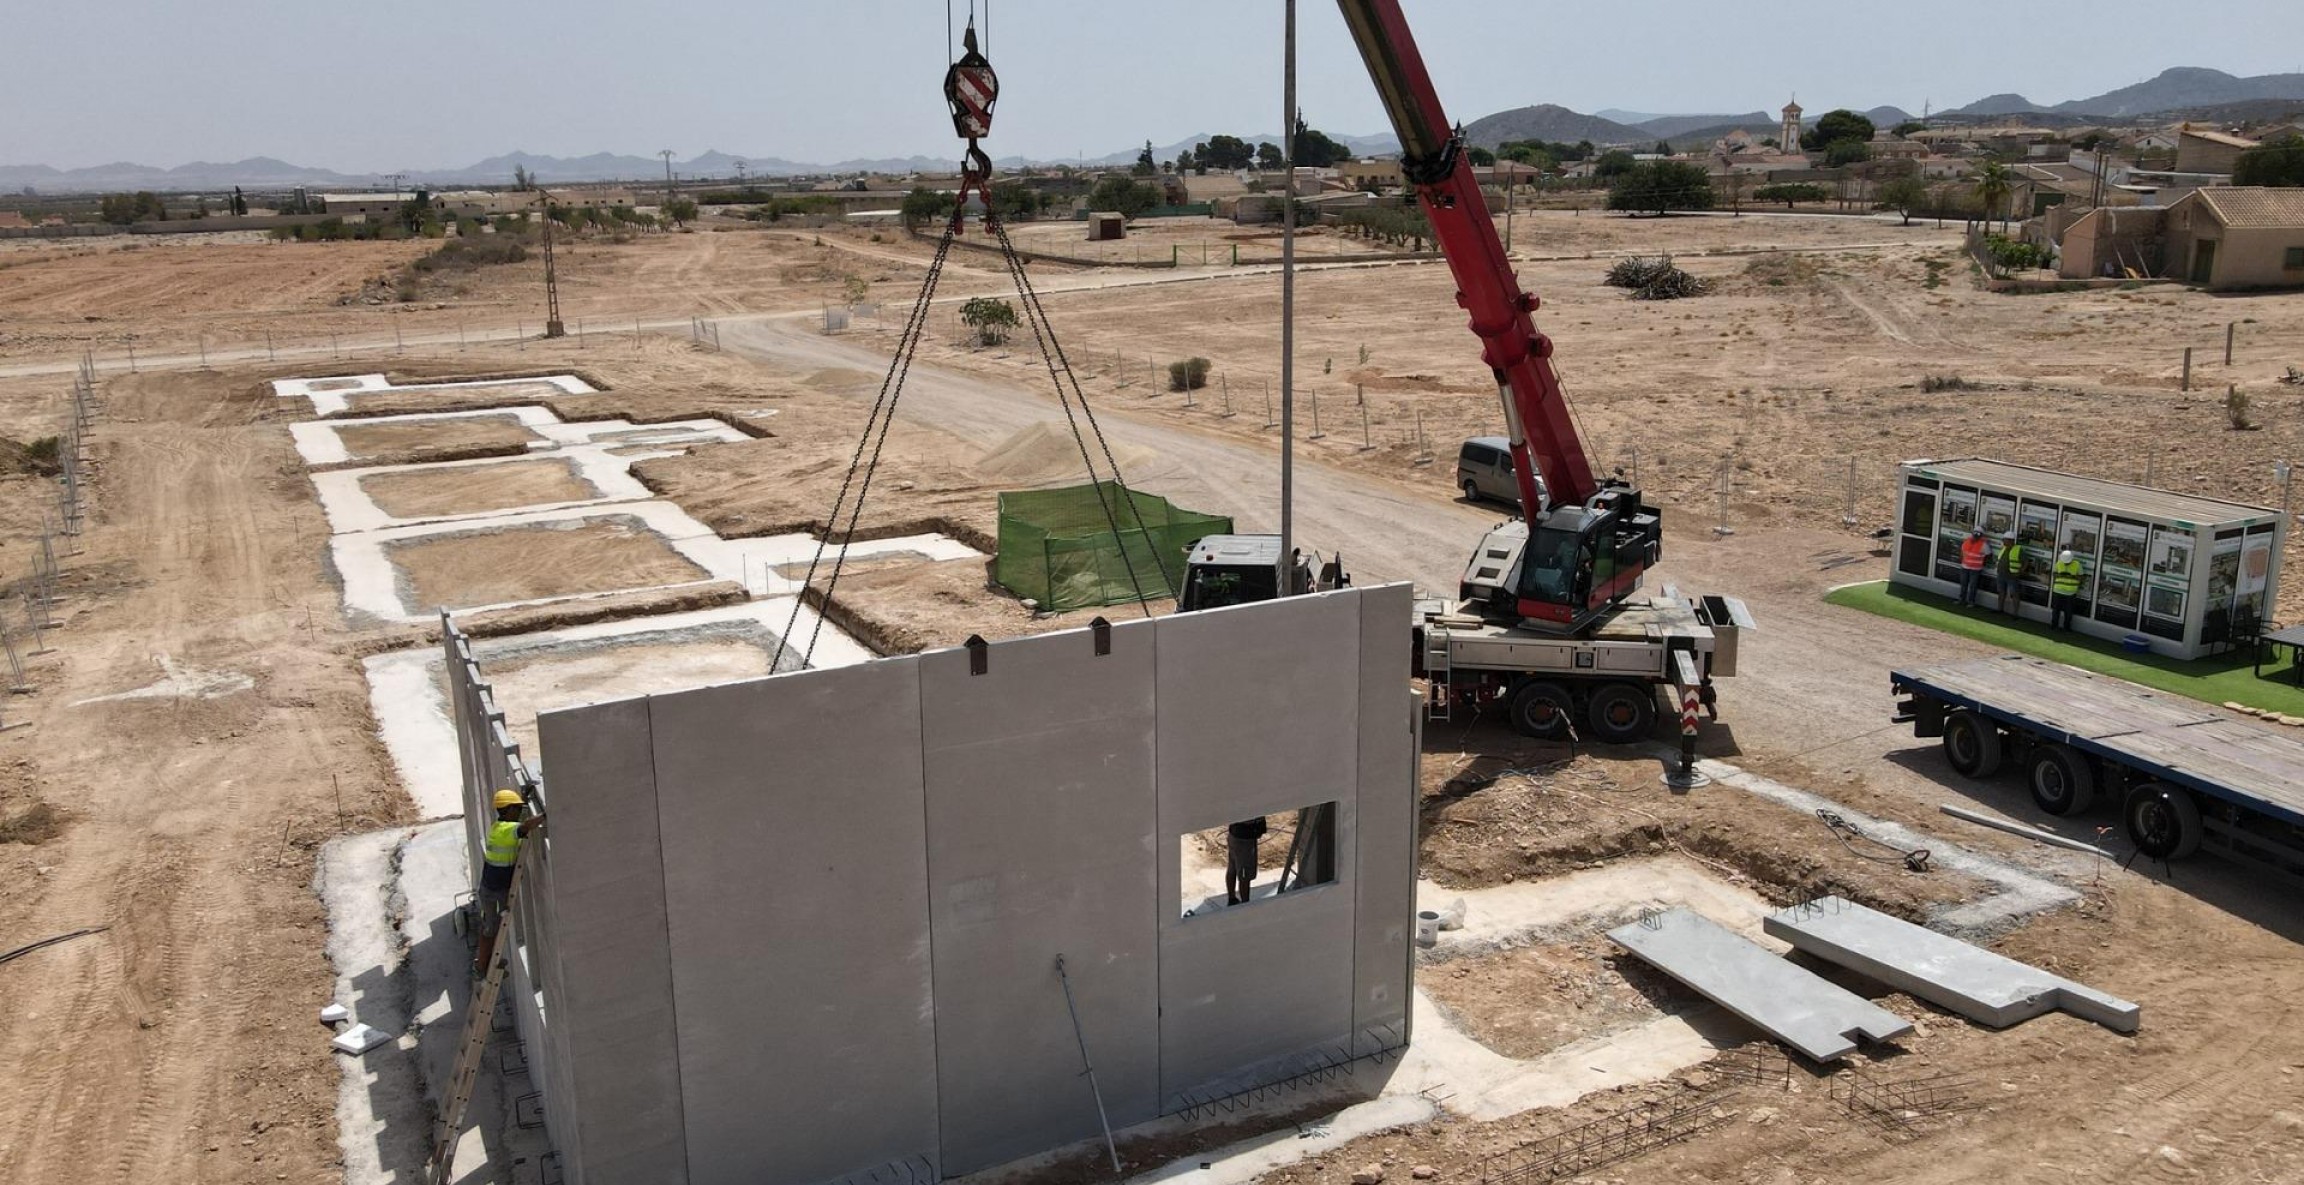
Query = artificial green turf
x=2217 y=680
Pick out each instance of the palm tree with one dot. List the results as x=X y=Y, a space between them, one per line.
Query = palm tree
x=1993 y=183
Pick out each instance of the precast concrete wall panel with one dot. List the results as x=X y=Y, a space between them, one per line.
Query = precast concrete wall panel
x=1258 y=713
x=609 y=920
x=1385 y=889
x=796 y=885
x=1041 y=834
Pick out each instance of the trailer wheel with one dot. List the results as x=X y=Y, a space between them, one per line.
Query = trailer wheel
x=2062 y=781
x=1971 y=744
x=1542 y=710
x=2163 y=821
x=1621 y=713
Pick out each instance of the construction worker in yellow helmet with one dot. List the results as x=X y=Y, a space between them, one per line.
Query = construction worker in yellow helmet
x=500 y=850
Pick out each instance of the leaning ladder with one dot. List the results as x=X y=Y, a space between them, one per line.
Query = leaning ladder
x=1439 y=672
x=479 y=1017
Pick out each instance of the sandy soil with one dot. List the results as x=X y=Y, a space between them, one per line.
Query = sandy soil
x=473 y=488
x=530 y=563
x=179 y=1045
x=405 y=444
x=1528 y=1001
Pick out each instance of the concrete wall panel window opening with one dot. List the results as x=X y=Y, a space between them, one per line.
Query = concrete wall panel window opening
x=1259 y=859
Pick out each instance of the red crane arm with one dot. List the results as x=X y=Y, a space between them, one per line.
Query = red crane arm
x=1535 y=409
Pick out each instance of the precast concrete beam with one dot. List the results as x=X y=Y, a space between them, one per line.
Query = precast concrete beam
x=1819 y=1019
x=1987 y=988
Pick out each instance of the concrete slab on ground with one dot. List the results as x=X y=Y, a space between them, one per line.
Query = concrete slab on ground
x=1819 y=1019
x=1985 y=987
x=321 y=442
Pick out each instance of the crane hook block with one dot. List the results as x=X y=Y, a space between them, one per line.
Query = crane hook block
x=970 y=89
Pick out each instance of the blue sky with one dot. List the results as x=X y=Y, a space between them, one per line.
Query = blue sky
x=425 y=83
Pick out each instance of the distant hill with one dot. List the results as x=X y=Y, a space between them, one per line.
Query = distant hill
x=1547 y=121
x=1674 y=127
x=2007 y=103
x=1888 y=117
x=2174 y=89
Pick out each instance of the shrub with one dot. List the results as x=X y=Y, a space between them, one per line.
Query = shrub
x=1930 y=384
x=35 y=824
x=1655 y=279
x=1188 y=375
x=2016 y=254
x=465 y=255
x=2236 y=410
x=990 y=317
x=1790 y=193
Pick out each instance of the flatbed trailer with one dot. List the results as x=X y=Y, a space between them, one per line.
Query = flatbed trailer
x=2183 y=775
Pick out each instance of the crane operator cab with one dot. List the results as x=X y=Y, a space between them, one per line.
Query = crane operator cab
x=1568 y=566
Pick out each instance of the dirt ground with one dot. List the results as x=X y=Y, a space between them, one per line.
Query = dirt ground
x=497 y=566
x=407 y=444
x=474 y=488
x=178 y=1044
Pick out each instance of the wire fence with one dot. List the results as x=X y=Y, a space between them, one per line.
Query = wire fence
x=28 y=620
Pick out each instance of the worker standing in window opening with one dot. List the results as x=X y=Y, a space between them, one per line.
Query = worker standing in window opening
x=500 y=850
x=1972 y=551
x=2008 y=574
x=1241 y=840
x=2064 y=584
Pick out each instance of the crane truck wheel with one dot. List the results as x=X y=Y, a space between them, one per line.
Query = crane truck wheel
x=1542 y=710
x=1971 y=744
x=1620 y=713
x=2163 y=821
x=2062 y=781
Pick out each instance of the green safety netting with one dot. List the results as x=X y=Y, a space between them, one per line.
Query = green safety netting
x=1057 y=547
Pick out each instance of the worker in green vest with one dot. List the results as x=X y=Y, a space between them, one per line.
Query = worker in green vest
x=2064 y=586
x=2008 y=574
x=499 y=851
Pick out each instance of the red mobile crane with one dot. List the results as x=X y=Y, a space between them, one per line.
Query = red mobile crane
x=1546 y=622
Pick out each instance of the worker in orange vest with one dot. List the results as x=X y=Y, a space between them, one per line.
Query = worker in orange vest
x=1973 y=550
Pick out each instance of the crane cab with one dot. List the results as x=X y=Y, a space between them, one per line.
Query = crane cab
x=1568 y=566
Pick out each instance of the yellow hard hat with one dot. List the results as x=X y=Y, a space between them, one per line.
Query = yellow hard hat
x=505 y=798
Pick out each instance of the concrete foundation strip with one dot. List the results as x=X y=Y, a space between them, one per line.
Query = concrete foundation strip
x=1985 y=987
x=1815 y=1017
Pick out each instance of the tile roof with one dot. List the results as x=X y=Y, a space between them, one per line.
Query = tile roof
x=2220 y=138
x=2256 y=207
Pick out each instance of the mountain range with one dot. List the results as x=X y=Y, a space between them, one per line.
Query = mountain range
x=2179 y=90
x=2175 y=89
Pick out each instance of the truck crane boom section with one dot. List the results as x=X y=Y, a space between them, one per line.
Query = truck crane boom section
x=1536 y=415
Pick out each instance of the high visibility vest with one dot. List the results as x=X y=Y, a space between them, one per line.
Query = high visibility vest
x=2012 y=560
x=2067 y=577
x=1972 y=554
x=503 y=844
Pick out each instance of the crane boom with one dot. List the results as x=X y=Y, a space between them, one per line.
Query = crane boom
x=1578 y=556
x=1535 y=410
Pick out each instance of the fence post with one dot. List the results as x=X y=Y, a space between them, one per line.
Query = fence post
x=2229 y=326
x=1423 y=447
x=2187 y=385
x=1268 y=403
x=131 y=355
x=1316 y=432
x=1366 y=442
x=1227 y=380
x=269 y=356
x=1848 y=517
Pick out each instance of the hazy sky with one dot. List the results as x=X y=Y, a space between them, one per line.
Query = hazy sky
x=426 y=83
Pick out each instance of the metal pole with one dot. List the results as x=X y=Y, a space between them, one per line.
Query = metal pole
x=1316 y=431
x=1088 y=1068
x=2187 y=368
x=1366 y=442
x=2229 y=326
x=1287 y=306
x=269 y=356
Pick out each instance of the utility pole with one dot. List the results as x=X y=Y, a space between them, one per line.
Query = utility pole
x=1288 y=303
x=552 y=324
x=666 y=153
